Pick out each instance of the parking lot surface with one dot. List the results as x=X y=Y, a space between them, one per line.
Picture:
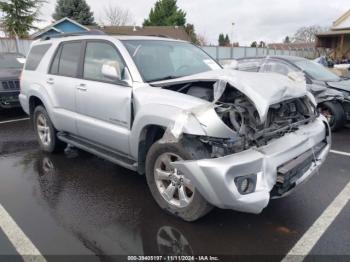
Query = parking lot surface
x=79 y=205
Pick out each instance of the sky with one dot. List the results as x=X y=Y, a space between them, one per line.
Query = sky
x=254 y=20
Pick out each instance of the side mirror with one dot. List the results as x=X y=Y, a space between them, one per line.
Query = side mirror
x=112 y=71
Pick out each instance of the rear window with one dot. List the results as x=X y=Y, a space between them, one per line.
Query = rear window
x=66 y=60
x=35 y=55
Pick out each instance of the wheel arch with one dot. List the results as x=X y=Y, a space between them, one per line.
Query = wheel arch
x=148 y=136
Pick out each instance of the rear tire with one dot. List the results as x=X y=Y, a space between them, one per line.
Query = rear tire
x=45 y=132
x=334 y=112
x=185 y=201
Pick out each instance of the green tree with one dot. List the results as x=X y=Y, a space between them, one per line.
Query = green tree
x=221 y=40
x=19 y=16
x=77 y=10
x=254 y=44
x=166 y=13
x=227 y=40
x=286 y=40
x=262 y=44
x=189 y=28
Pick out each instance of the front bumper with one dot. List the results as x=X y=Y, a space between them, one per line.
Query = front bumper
x=9 y=99
x=215 y=178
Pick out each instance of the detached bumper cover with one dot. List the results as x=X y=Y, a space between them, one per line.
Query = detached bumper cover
x=215 y=178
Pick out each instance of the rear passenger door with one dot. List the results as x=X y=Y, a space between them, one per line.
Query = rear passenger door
x=62 y=81
x=103 y=105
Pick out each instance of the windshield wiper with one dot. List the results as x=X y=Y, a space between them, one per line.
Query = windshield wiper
x=164 y=78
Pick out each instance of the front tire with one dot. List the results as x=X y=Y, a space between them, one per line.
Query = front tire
x=171 y=189
x=334 y=113
x=45 y=132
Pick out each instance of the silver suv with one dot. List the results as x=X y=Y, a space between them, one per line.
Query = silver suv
x=204 y=136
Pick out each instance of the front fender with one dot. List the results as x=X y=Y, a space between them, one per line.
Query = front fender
x=160 y=115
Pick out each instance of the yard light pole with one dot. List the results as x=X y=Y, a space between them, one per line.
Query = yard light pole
x=233 y=24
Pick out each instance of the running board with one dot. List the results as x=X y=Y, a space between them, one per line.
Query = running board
x=97 y=150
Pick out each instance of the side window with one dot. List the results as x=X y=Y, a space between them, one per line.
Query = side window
x=55 y=62
x=276 y=67
x=97 y=54
x=35 y=55
x=69 y=59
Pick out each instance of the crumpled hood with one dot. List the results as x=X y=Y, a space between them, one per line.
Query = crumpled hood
x=263 y=89
x=343 y=85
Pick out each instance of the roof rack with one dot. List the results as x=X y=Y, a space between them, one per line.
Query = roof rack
x=91 y=32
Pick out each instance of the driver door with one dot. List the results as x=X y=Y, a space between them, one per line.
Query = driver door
x=103 y=105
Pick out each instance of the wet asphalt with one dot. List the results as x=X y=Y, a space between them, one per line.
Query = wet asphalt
x=79 y=205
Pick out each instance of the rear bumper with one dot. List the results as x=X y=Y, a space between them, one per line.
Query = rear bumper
x=215 y=178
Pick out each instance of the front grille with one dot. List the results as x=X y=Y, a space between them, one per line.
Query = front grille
x=10 y=84
x=290 y=172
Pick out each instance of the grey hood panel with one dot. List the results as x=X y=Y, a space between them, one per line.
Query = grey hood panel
x=7 y=74
x=343 y=85
x=263 y=89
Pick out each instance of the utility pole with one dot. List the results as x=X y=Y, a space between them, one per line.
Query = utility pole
x=233 y=24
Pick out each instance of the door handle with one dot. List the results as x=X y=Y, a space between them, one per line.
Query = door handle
x=82 y=87
x=50 y=81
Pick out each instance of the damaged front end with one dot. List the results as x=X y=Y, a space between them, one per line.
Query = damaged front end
x=262 y=142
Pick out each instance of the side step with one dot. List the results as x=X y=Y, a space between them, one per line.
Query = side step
x=97 y=150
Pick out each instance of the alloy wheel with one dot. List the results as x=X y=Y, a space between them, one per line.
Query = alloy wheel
x=173 y=186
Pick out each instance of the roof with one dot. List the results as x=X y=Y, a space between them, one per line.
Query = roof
x=291 y=46
x=175 y=32
x=342 y=22
x=68 y=37
x=334 y=33
x=52 y=27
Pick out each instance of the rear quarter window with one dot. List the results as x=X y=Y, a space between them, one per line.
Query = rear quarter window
x=35 y=55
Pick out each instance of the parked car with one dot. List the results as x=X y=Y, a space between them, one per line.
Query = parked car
x=331 y=92
x=203 y=136
x=10 y=69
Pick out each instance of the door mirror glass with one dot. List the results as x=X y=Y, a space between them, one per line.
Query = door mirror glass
x=112 y=71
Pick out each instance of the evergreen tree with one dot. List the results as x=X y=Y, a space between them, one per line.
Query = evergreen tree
x=254 y=44
x=262 y=44
x=287 y=40
x=227 y=40
x=19 y=16
x=189 y=28
x=166 y=13
x=221 y=40
x=77 y=10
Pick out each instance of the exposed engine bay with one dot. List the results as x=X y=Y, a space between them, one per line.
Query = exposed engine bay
x=241 y=116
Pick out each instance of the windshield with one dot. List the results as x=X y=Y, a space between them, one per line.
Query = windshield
x=11 y=61
x=316 y=71
x=160 y=60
